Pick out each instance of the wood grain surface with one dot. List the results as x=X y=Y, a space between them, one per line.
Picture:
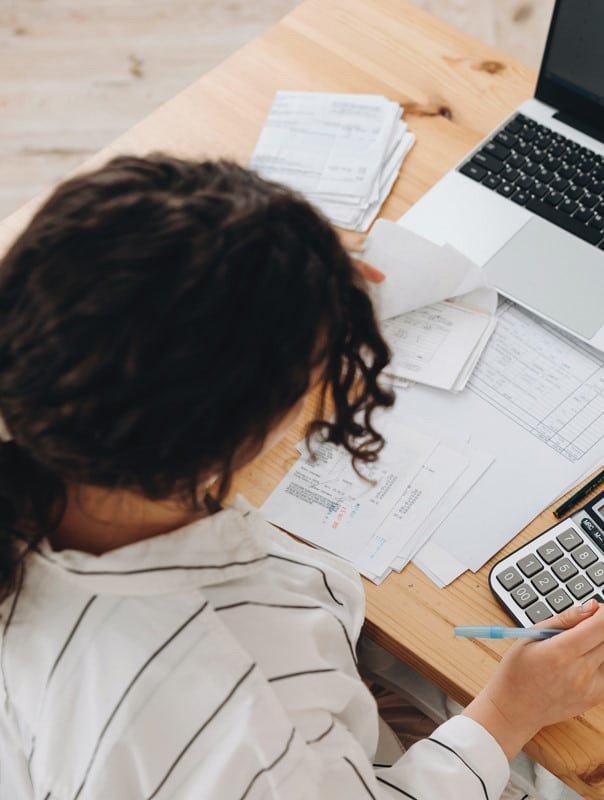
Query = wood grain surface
x=75 y=75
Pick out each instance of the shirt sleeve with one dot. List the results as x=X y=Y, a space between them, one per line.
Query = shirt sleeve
x=460 y=759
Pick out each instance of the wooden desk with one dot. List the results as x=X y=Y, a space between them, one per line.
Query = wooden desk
x=454 y=89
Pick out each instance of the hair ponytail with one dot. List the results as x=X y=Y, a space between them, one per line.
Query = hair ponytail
x=32 y=501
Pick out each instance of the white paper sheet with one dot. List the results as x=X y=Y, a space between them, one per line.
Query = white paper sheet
x=326 y=503
x=418 y=272
x=419 y=498
x=343 y=151
x=536 y=401
x=436 y=344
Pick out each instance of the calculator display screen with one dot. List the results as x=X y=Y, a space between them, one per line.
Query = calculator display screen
x=598 y=509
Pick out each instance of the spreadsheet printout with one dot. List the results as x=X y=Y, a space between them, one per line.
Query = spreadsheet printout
x=535 y=402
x=545 y=381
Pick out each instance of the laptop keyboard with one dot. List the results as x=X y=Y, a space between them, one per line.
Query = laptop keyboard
x=552 y=176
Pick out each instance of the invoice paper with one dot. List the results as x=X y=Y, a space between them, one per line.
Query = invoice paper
x=324 y=501
x=342 y=151
x=536 y=401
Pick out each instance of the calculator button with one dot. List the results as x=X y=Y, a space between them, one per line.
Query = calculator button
x=544 y=582
x=559 y=600
x=549 y=552
x=530 y=565
x=538 y=611
x=569 y=539
x=596 y=573
x=588 y=526
x=509 y=578
x=584 y=556
x=580 y=587
x=524 y=595
x=565 y=569
x=594 y=533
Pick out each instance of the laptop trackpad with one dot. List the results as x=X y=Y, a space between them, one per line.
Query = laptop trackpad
x=554 y=273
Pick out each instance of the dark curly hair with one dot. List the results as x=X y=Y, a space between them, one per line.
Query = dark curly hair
x=157 y=318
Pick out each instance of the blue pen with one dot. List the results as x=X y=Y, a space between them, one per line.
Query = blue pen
x=500 y=632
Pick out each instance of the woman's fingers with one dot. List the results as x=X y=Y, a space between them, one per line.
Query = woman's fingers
x=585 y=628
x=370 y=273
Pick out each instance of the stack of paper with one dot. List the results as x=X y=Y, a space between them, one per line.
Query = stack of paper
x=378 y=522
x=536 y=401
x=434 y=340
x=342 y=151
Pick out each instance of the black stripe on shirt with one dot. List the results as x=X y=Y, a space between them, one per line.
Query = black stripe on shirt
x=310 y=566
x=54 y=667
x=200 y=730
x=302 y=672
x=396 y=788
x=69 y=638
x=327 y=731
x=360 y=777
x=463 y=761
x=151 y=658
x=165 y=568
x=9 y=619
x=270 y=766
x=293 y=606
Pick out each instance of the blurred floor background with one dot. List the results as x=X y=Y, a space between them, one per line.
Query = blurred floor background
x=76 y=73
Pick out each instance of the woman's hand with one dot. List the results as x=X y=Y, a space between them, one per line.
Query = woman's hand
x=541 y=682
x=371 y=274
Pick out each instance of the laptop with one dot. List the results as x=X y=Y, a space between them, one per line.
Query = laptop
x=528 y=203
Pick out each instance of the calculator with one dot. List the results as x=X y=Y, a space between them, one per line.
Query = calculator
x=562 y=567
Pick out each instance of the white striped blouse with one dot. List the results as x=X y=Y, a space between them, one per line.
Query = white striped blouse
x=216 y=662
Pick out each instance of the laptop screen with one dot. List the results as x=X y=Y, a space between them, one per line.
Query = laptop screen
x=572 y=70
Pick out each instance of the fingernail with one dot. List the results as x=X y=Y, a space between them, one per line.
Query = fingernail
x=588 y=606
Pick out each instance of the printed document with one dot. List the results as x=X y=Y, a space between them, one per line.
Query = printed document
x=536 y=401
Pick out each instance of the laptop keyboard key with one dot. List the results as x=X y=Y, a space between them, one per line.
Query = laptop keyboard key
x=559 y=184
x=516 y=161
x=544 y=175
x=497 y=150
x=538 y=189
x=506 y=138
x=521 y=197
x=567 y=171
x=506 y=189
x=568 y=206
x=474 y=171
x=553 y=197
x=524 y=182
x=513 y=126
x=492 y=181
x=486 y=160
x=597 y=222
x=584 y=214
x=509 y=174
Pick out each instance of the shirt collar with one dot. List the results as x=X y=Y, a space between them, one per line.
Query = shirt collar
x=219 y=548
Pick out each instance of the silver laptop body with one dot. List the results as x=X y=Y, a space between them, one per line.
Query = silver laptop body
x=527 y=204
